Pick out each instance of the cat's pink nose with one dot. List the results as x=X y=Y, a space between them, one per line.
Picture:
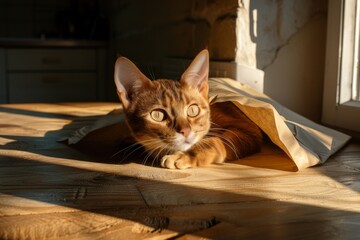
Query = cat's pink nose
x=185 y=131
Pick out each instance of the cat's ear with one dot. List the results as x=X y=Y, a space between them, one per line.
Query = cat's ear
x=196 y=75
x=129 y=80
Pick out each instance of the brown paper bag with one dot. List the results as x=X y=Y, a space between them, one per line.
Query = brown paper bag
x=305 y=142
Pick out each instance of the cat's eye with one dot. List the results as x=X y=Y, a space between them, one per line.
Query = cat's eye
x=158 y=115
x=193 y=110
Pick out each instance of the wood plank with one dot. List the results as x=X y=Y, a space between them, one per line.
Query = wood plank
x=81 y=225
x=302 y=230
x=320 y=191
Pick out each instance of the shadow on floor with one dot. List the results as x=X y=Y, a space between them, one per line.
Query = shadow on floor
x=52 y=173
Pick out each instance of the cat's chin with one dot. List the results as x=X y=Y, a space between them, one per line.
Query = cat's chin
x=185 y=143
x=185 y=146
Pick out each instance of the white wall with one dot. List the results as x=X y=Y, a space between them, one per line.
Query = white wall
x=286 y=39
x=296 y=76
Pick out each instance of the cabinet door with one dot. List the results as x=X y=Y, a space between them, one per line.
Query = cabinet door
x=52 y=87
x=51 y=59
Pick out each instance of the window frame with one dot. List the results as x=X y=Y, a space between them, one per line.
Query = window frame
x=339 y=107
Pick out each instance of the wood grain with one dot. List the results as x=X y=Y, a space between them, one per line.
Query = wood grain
x=51 y=191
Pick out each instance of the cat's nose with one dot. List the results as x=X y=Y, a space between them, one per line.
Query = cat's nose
x=185 y=131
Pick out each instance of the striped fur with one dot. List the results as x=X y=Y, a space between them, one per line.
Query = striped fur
x=175 y=123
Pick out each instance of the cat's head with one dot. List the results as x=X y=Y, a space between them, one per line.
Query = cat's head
x=165 y=116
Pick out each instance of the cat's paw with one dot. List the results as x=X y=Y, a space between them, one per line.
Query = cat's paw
x=178 y=160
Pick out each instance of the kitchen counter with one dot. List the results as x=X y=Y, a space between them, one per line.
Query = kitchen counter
x=53 y=43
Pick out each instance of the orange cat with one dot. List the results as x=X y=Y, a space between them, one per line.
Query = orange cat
x=174 y=121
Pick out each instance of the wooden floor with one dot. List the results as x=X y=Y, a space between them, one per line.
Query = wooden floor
x=49 y=190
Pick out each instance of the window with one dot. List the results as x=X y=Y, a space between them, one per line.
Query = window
x=341 y=101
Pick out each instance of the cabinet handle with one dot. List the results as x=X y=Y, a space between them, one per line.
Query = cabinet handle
x=51 y=60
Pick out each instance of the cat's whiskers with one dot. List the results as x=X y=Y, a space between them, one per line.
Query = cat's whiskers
x=130 y=153
x=124 y=149
x=158 y=155
x=151 y=73
x=151 y=145
x=226 y=130
x=219 y=129
x=154 y=147
x=151 y=152
x=201 y=145
x=213 y=123
x=206 y=145
x=137 y=145
x=226 y=141
x=129 y=147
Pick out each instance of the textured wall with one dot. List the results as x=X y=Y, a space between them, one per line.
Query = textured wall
x=265 y=26
x=285 y=38
x=296 y=76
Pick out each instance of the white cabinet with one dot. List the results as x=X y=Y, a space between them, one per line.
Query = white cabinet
x=51 y=74
x=51 y=59
x=51 y=87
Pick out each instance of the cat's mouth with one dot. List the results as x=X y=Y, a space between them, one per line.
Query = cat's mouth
x=185 y=143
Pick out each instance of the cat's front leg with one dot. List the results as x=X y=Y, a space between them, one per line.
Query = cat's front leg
x=207 y=151
x=178 y=160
